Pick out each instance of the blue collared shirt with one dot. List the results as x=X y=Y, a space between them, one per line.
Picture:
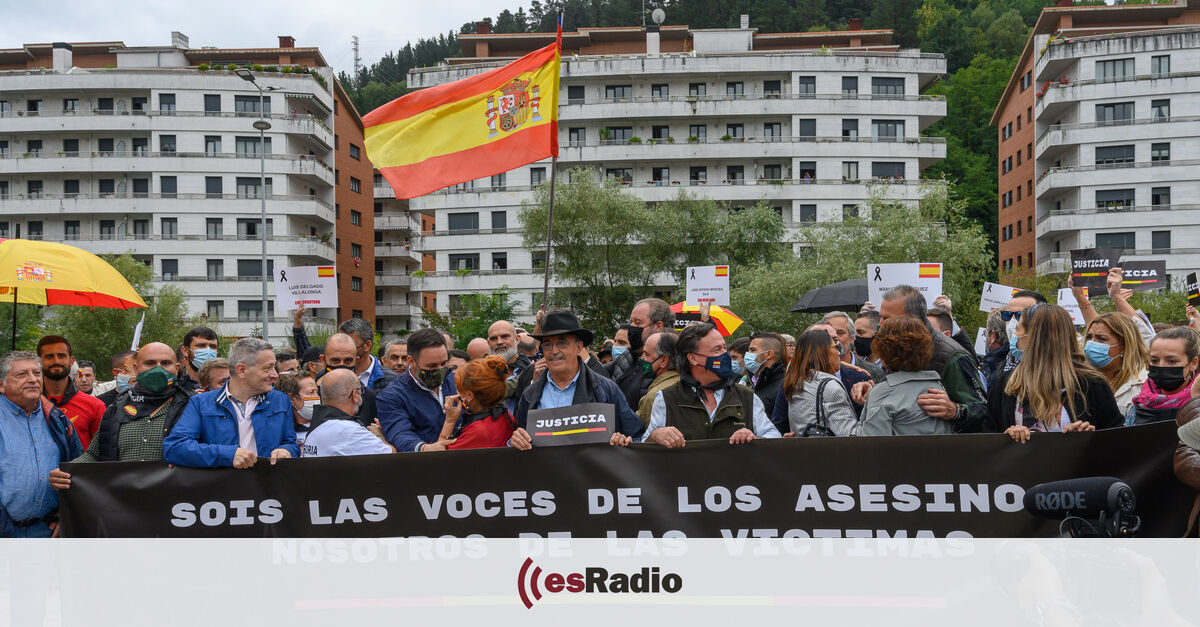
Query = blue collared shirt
x=27 y=455
x=554 y=396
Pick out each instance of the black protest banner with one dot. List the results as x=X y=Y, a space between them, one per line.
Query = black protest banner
x=938 y=486
x=1193 y=290
x=586 y=423
x=686 y=319
x=1089 y=267
x=1143 y=276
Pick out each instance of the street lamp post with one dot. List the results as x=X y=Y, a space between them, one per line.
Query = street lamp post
x=262 y=125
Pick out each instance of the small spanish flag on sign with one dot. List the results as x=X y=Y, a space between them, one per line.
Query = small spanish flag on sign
x=929 y=270
x=722 y=271
x=325 y=271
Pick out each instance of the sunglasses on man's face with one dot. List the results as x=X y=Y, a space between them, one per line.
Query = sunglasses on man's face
x=1009 y=315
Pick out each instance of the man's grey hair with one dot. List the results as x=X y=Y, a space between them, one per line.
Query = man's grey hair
x=359 y=328
x=7 y=361
x=245 y=351
x=337 y=387
x=390 y=343
x=840 y=314
x=660 y=311
x=788 y=339
x=995 y=324
x=914 y=300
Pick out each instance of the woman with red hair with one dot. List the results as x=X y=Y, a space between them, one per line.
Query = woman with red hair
x=476 y=416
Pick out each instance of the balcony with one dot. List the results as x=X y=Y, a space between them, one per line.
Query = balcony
x=128 y=203
x=1120 y=217
x=401 y=311
x=277 y=245
x=1059 y=95
x=1060 y=137
x=1108 y=174
x=398 y=250
x=479 y=280
x=928 y=149
x=146 y=162
x=394 y=221
x=431 y=241
x=392 y=280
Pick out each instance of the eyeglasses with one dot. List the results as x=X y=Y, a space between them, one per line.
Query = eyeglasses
x=1009 y=315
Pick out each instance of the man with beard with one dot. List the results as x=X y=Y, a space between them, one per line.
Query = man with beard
x=199 y=345
x=412 y=412
x=134 y=426
x=502 y=342
x=83 y=410
x=394 y=355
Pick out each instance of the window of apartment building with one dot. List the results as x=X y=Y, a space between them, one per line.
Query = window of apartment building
x=215 y=309
x=806 y=128
x=1160 y=152
x=536 y=176
x=141 y=146
x=251 y=187
x=462 y=221
x=1027 y=80
x=1160 y=197
x=5 y=109
x=806 y=171
x=1018 y=122
x=576 y=136
x=1018 y=228
x=464 y=261
x=808 y=214
x=734 y=88
x=1029 y=115
x=621 y=134
x=170 y=269
x=625 y=175
x=354 y=153
x=3 y=148
x=168 y=186
x=212 y=187
x=499 y=182
x=33 y=107
x=34 y=147
x=499 y=221
x=849 y=130
x=1114 y=156
x=70 y=106
x=1160 y=242
x=169 y=227
x=849 y=86
x=1006 y=165
x=212 y=145
x=697 y=89
x=499 y=262
x=618 y=92
x=71 y=229
x=1029 y=228
x=849 y=211
x=70 y=188
x=249 y=310
x=575 y=94
x=105 y=146
x=699 y=131
x=1114 y=113
x=1018 y=192
x=33 y=189
x=251 y=228
x=1160 y=65
x=248 y=146
x=887 y=87
x=1114 y=70
x=735 y=131
x=108 y=229
x=772 y=131
x=214 y=228
x=660 y=132
x=660 y=174
x=887 y=130
x=252 y=268
x=166 y=104
x=697 y=174
x=138 y=105
x=249 y=106
x=35 y=229
x=773 y=172
x=1006 y=132
x=355 y=185
x=141 y=229
x=772 y=88
x=806 y=86
x=166 y=144
x=356 y=284
x=1160 y=110
x=1018 y=157
x=214 y=269
x=1029 y=150
x=1029 y=187
x=849 y=171
x=735 y=174
x=212 y=105
x=1125 y=241
x=356 y=220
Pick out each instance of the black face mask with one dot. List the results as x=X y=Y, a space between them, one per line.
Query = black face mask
x=341 y=367
x=862 y=346
x=635 y=339
x=1167 y=378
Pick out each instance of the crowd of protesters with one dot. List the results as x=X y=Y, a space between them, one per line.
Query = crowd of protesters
x=894 y=368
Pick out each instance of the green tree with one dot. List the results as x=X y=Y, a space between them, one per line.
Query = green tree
x=889 y=232
x=472 y=320
x=97 y=334
x=29 y=319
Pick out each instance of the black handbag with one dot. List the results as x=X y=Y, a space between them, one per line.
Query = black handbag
x=820 y=427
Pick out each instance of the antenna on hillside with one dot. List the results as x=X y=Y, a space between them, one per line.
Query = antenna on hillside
x=357 y=60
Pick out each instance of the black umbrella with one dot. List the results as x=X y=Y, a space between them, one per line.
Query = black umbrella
x=846 y=295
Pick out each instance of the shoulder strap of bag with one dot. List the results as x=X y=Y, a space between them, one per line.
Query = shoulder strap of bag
x=822 y=423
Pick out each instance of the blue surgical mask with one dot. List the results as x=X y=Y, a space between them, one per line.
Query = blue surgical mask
x=1016 y=353
x=617 y=351
x=738 y=368
x=752 y=363
x=1097 y=353
x=123 y=382
x=202 y=355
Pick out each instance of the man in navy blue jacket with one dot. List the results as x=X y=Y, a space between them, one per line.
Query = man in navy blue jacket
x=244 y=420
x=411 y=409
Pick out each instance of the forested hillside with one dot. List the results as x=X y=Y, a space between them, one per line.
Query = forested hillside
x=980 y=38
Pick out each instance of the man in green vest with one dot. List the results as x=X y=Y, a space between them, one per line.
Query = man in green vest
x=658 y=360
x=707 y=403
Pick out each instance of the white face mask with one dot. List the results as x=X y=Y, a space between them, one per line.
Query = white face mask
x=307 y=411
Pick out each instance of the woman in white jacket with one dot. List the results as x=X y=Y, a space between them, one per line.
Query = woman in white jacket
x=818 y=404
x=1115 y=347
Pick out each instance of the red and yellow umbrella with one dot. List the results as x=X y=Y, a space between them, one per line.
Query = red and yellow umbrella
x=725 y=320
x=48 y=273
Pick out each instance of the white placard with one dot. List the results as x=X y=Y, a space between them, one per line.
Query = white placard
x=926 y=277
x=995 y=296
x=315 y=286
x=1067 y=301
x=981 y=341
x=708 y=284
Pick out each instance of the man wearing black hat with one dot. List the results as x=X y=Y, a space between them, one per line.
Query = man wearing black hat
x=567 y=381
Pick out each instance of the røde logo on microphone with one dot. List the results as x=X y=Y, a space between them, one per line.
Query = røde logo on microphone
x=593 y=580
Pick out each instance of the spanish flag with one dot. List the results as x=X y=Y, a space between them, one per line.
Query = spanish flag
x=929 y=270
x=722 y=271
x=475 y=127
x=325 y=271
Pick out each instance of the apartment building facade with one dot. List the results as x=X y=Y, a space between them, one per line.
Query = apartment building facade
x=153 y=151
x=811 y=123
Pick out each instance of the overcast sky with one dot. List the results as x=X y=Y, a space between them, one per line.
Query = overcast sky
x=380 y=25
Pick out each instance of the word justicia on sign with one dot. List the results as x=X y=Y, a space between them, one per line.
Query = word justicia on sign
x=593 y=580
x=569 y=421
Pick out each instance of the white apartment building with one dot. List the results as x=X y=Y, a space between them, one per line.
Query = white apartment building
x=397 y=306
x=157 y=158
x=807 y=122
x=1117 y=150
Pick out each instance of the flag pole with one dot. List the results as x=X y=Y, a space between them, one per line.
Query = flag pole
x=553 y=167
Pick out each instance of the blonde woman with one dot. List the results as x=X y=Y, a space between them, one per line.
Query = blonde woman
x=1114 y=345
x=1054 y=387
